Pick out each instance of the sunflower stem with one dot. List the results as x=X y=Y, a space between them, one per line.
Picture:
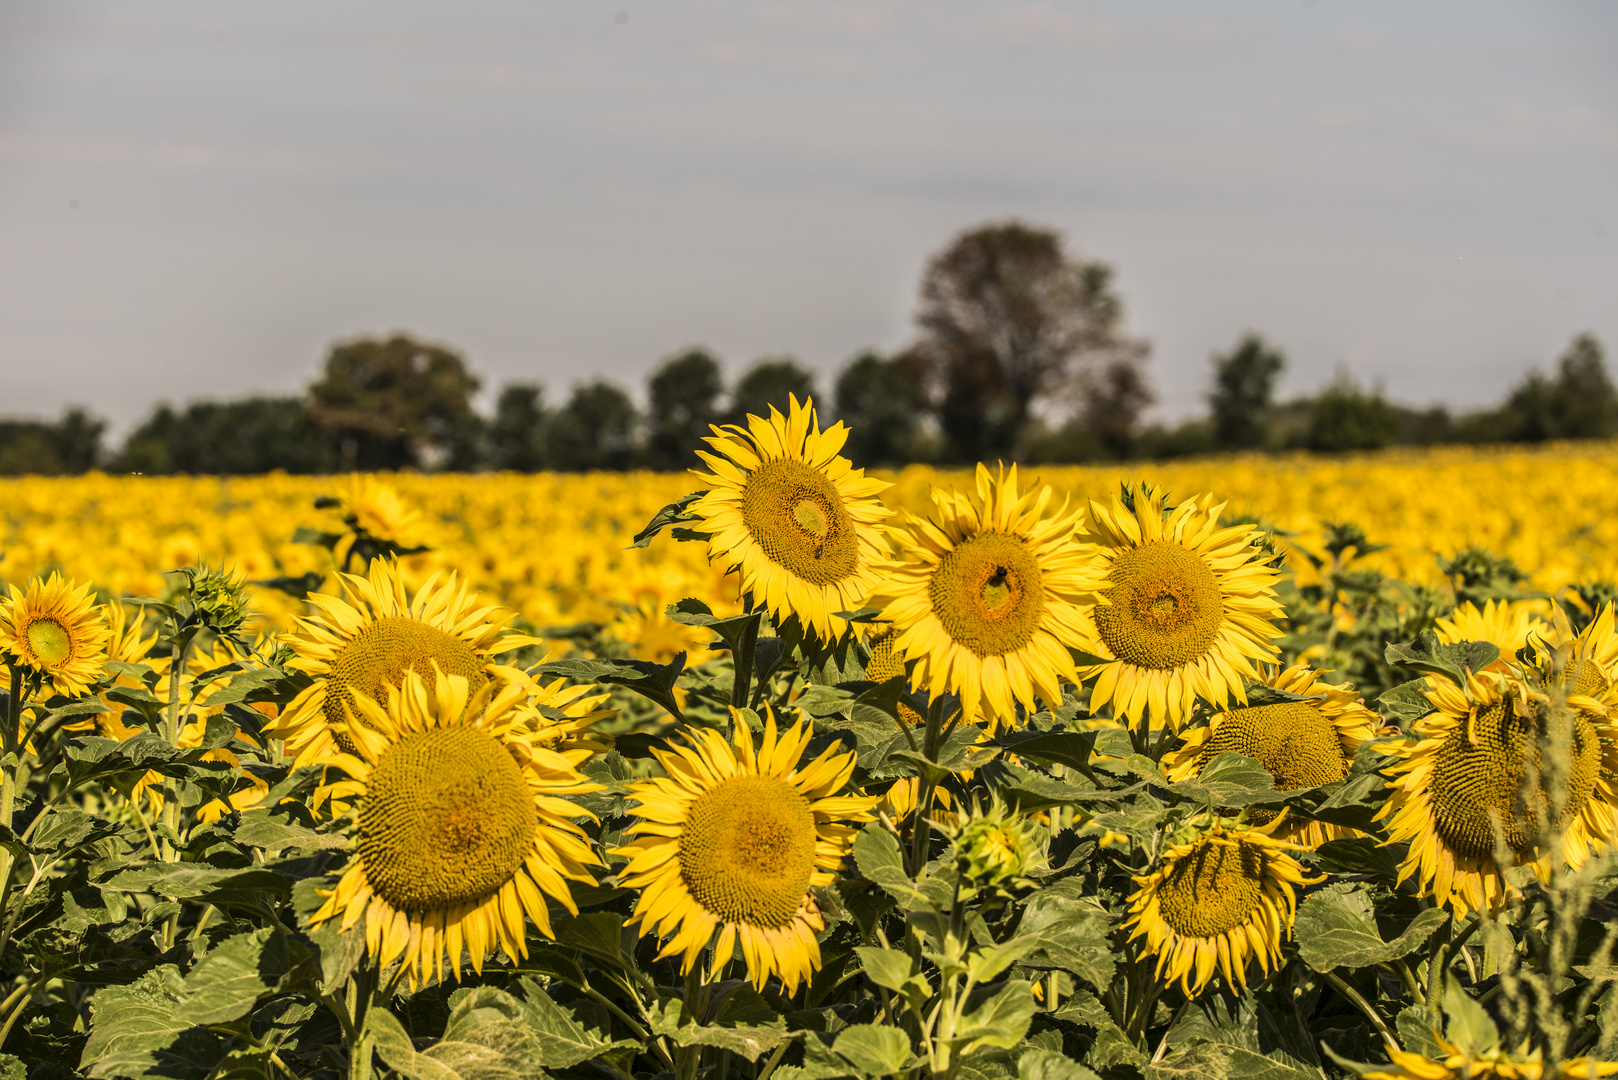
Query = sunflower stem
x=922 y=833
x=1436 y=971
x=1354 y=998
x=743 y=658
x=16 y=1013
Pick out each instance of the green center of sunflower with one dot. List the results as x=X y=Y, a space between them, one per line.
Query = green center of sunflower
x=1498 y=775
x=1212 y=889
x=446 y=818
x=49 y=641
x=748 y=850
x=797 y=517
x=379 y=655
x=1165 y=609
x=987 y=593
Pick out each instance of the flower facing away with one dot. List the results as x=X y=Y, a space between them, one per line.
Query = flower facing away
x=985 y=598
x=1216 y=903
x=1302 y=744
x=363 y=642
x=734 y=839
x=1184 y=609
x=995 y=848
x=1476 y=781
x=55 y=631
x=464 y=826
x=795 y=517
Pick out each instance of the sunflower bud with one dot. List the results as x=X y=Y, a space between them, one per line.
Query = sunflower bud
x=218 y=598
x=994 y=848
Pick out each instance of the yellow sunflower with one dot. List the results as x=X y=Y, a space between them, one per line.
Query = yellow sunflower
x=57 y=632
x=1504 y=624
x=464 y=826
x=1217 y=902
x=1453 y=1063
x=1184 y=607
x=1475 y=775
x=364 y=641
x=563 y=718
x=985 y=598
x=794 y=517
x=1302 y=744
x=734 y=839
x=373 y=508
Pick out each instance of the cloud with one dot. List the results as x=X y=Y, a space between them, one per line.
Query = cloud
x=1522 y=127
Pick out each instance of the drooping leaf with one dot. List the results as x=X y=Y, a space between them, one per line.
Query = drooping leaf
x=874 y=1049
x=1332 y=932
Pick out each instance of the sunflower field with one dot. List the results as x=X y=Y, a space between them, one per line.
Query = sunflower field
x=1277 y=768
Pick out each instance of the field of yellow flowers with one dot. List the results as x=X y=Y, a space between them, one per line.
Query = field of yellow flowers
x=554 y=548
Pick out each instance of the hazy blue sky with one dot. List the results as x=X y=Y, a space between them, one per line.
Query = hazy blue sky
x=196 y=199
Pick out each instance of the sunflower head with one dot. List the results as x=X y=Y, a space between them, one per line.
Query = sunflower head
x=1302 y=744
x=733 y=839
x=463 y=825
x=984 y=598
x=1184 y=608
x=1222 y=896
x=995 y=848
x=56 y=631
x=363 y=643
x=796 y=518
x=1502 y=770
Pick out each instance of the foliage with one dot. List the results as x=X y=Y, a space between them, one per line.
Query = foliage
x=1244 y=392
x=230 y=438
x=45 y=448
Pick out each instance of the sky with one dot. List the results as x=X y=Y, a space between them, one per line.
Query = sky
x=197 y=199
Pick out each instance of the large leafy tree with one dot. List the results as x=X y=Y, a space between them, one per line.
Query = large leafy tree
x=1008 y=320
x=596 y=429
x=883 y=401
x=683 y=395
x=230 y=438
x=394 y=403
x=1244 y=393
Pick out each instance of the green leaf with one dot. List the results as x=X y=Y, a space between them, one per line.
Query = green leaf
x=1070 y=748
x=1470 y=1028
x=234 y=976
x=1230 y=779
x=1001 y=1022
x=896 y=971
x=143 y=1029
x=1404 y=703
x=1453 y=662
x=1050 y=1065
x=878 y=856
x=750 y=1041
x=481 y=1042
x=652 y=681
x=1069 y=933
x=598 y=934
x=1336 y=929
x=1222 y=1061
x=1416 y=1025
x=223 y=887
x=874 y=1049
x=562 y=1040
x=675 y=513
x=260 y=830
x=1357 y=855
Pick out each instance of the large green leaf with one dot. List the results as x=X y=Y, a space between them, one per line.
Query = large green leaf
x=234 y=976
x=652 y=681
x=746 y=1040
x=999 y=1022
x=492 y=1050
x=144 y=1029
x=1335 y=928
x=563 y=1041
x=1069 y=933
x=1051 y=1065
x=874 y=1049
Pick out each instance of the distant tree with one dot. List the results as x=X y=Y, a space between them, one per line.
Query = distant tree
x=883 y=401
x=230 y=438
x=1008 y=319
x=770 y=382
x=1578 y=403
x=1113 y=399
x=1244 y=393
x=517 y=433
x=683 y=395
x=1344 y=417
x=45 y=448
x=596 y=429
x=397 y=403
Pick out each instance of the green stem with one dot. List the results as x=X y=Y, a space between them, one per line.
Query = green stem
x=1363 y=1006
x=774 y=1060
x=1437 y=971
x=16 y=1014
x=922 y=834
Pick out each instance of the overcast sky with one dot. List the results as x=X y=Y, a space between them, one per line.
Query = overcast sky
x=196 y=199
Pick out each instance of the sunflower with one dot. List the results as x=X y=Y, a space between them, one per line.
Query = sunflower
x=464 y=826
x=1184 y=608
x=563 y=718
x=1453 y=1063
x=1504 y=624
x=734 y=840
x=1473 y=777
x=57 y=632
x=797 y=519
x=985 y=598
x=1302 y=744
x=373 y=508
x=364 y=641
x=1217 y=901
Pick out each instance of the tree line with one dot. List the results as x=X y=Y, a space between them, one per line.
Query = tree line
x=1021 y=353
